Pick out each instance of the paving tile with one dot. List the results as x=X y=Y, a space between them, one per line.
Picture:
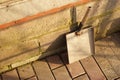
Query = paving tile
x=92 y=69
x=82 y=77
x=75 y=69
x=64 y=58
x=102 y=60
x=54 y=61
x=42 y=70
x=61 y=74
x=33 y=78
x=26 y=71
x=11 y=75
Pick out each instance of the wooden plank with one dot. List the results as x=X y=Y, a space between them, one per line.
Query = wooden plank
x=61 y=74
x=26 y=71
x=11 y=75
x=42 y=70
x=75 y=69
x=92 y=69
x=80 y=46
x=102 y=60
x=82 y=77
x=54 y=61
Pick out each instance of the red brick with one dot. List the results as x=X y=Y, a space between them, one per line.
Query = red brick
x=92 y=69
x=11 y=75
x=82 y=77
x=33 y=78
x=61 y=74
x=75 y=69
x=54 y=61
x=26 y=72
x=42 y=70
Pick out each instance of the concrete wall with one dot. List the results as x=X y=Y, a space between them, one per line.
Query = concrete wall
x=45 y=35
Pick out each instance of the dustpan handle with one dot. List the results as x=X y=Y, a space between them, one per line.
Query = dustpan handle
x=86 y=15
x=83 y=20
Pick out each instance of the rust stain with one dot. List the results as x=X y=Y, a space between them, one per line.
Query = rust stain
x=28 y=18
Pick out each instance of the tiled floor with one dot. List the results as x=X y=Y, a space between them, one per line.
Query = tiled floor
x=104 y=65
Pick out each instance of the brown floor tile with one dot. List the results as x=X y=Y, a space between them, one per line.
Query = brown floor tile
x=26 y=71
x=75 y=69
x=33 y=78
x=42 y=70
x=92 y=69
x=82 y=77
x=11 y=75
x=61 y=74
x=54 y=61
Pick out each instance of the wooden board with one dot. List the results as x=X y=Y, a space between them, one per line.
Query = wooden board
x=81 y=46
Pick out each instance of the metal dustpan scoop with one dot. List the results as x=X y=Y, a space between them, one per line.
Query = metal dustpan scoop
x=80 y=46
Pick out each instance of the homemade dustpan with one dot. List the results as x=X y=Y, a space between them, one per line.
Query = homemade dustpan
x=80 y=44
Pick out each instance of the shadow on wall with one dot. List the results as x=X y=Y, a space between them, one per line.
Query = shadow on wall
x=103 y=27
x=111 y=4
x=114 y=27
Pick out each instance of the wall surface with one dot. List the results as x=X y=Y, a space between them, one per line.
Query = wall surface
x=43 y=36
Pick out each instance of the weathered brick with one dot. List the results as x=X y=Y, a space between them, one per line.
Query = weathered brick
x=42 y=70
x=11 y=75
x=61 y=74
x=26 y=71
x=54 y=61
